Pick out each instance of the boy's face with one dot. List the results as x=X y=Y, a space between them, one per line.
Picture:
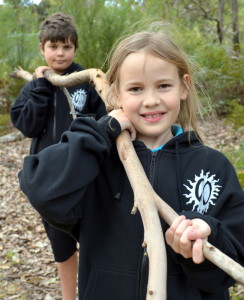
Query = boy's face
x=59 y=56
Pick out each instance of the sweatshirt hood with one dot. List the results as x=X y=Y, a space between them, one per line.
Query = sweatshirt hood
x=74 y=67
x=179 y=143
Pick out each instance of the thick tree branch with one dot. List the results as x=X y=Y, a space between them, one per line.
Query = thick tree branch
x=150 y=205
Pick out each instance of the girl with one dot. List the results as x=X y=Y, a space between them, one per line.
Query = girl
x=80 y=186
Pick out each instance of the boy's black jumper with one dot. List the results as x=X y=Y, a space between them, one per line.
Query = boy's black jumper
x=80 y=186
x=41 y=112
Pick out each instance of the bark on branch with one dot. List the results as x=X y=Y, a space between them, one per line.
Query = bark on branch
x=149 y=204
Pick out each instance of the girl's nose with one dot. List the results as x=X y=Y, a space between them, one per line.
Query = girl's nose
x=151 y=99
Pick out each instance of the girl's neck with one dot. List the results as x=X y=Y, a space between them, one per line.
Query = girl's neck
x=155 y=142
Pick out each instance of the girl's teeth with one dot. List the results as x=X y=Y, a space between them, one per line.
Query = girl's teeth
x=153 y=116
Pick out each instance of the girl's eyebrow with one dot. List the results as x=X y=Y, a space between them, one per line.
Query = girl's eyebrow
x=160 y=80
x=133 y=83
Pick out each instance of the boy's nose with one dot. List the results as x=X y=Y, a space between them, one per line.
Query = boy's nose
x=60 y=51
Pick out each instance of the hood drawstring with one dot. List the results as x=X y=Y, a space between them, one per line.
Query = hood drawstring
x=178 y=174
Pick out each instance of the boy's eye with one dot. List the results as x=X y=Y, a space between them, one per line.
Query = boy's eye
x=53 y=46
x=67 y=47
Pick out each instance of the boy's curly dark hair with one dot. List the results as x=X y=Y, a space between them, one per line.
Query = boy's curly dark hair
x=58 y=27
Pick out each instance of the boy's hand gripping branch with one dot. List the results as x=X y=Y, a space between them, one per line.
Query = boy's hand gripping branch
x=150 y=205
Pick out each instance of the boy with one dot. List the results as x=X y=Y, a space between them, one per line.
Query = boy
x=41 y=112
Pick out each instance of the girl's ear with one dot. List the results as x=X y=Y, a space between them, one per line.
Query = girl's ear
x=185 y=87
x=41 y=47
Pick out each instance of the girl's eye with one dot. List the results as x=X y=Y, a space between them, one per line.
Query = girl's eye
x=135 y=89
x=67 y=47
x=165 y=85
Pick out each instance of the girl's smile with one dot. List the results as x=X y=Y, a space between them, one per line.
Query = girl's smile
x=153 y=116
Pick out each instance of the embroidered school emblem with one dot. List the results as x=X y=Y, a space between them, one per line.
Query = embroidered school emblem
x=202 y=192
x=79 y=99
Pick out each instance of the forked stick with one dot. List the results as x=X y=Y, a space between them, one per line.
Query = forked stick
x=150 y=205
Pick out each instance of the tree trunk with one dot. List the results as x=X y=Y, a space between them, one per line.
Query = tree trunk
x=235 y=27
x=220 y=22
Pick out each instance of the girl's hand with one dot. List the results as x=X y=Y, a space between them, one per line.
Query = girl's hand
x=124 y=122
x=39 y=71
x=186 y=237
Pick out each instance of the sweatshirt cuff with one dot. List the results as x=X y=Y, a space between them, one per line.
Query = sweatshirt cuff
x=43 y=82
x=111 y=126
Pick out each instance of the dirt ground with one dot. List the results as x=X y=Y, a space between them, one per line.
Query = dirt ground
x=27 y=268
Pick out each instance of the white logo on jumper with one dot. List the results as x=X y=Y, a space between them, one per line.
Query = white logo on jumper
x=79 y=99
x=202 y=192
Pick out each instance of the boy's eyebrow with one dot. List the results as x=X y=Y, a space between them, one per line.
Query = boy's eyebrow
x=62 y=42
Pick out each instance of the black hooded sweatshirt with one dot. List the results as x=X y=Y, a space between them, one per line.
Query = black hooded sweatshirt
x=80 y=186
x=41 y=110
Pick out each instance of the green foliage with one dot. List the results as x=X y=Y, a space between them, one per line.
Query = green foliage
x=236 y=292
x=4 y=124
x=236 y=157
x=21 y=39
x=235 y=113
x=100 y=23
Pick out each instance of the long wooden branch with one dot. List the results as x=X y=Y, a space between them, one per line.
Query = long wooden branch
x=150 y=205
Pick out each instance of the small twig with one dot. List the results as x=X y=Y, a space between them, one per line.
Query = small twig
x=20 y=73
x=72 y=109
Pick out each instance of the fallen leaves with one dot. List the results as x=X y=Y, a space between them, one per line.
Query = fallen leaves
x=27 y=268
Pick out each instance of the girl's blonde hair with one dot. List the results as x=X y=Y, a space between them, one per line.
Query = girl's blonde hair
x=157 y=41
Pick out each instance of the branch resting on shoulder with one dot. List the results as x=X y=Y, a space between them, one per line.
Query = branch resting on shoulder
x=149 y=204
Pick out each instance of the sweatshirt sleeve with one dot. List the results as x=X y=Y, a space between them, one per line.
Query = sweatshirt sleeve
x=56 y=179
x=30 y=110
x=226 y=220
x=96 y=104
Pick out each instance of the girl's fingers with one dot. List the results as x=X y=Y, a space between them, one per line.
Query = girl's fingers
x=176 y=232
x=132 y=131
x=197 y=253
x=186 y=237
x=185 y=244
x=180 y=240
x=169 y=235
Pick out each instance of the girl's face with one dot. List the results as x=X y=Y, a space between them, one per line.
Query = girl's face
x=150 y=93
x=59 y=56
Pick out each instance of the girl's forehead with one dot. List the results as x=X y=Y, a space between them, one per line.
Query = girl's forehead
x=146 y=66
x=143 y=59
x=142 y=56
